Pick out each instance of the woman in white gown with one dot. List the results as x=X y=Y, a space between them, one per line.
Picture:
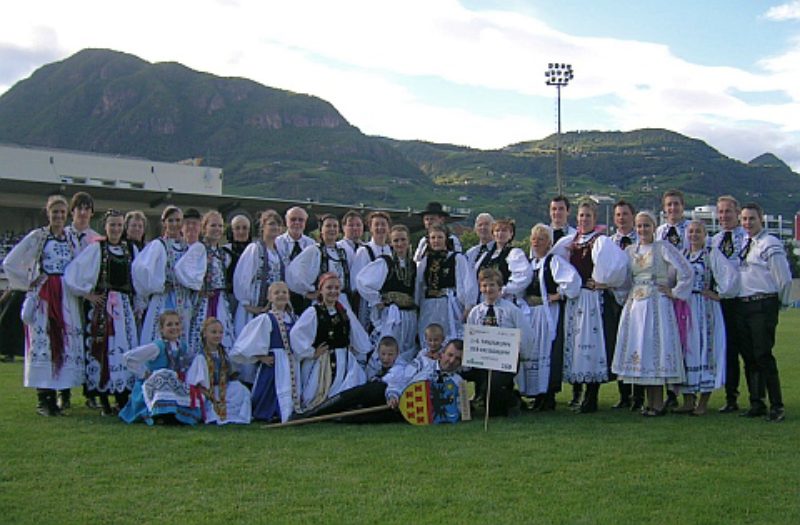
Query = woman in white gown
x=600 y=264
x=714 y=277
x=154 y=276
x=202 y=269
x=553 y=281
x=101 y=274
x=212 y=380
x=446 y=287
x=51 y=315
x=330 y=344
x=648 y=348
x=388 y=284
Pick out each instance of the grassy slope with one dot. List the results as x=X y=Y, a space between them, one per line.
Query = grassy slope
x=549 y=468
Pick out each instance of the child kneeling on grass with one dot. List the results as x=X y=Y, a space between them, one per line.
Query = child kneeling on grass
x=160 y=393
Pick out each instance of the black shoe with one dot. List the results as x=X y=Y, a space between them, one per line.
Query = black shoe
x=64 y=400
x=729 y=408
x=92 y=403
x=671 y=402
x=637 y=405
x=754 y=412
x=47 y=405
x=776 y=415
x=588 y=407
x=538 y=403
x=623 y=403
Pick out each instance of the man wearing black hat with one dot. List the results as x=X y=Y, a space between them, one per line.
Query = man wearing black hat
x=434 y=214
x=191 y=226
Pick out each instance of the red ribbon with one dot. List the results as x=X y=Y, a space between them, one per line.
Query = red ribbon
x=52 y=294
x=197 y=398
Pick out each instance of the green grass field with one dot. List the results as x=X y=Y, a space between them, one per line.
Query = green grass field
x=556 y=467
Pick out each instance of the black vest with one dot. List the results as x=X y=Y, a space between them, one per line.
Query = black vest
x=550 y=284
x=440 y=272
x=325 y=264
x=118 y=268
x=393 y=283
x=334 y=330
x=499 y=263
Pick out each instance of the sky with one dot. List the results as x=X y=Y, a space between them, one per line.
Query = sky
x=466 y=72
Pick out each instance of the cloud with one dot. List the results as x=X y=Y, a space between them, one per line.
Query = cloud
x=17 y=61
x=783 y=12
x=368 y=58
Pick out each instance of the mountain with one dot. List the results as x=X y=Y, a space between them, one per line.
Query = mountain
x=267 y=140
x=768 y=160
x=637 y=165
x=276 y=143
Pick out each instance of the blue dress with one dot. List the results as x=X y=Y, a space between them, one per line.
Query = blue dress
x=265 y=396
x=165 y=387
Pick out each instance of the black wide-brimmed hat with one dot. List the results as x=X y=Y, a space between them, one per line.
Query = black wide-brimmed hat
x=434 y=208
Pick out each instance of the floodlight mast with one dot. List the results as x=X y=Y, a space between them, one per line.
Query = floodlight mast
x=559 y=75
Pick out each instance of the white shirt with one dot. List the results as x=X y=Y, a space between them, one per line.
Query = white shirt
x=81 y=239
x=508 y=316
x=618 y=236
x=738 y=236
x=680 y=228
x=420 y=369
x=285 y=244
x=764 y=268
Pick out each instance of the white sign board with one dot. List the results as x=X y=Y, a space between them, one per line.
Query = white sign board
x=491 y=347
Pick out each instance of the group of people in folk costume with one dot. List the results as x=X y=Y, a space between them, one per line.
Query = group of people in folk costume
x=187 y=328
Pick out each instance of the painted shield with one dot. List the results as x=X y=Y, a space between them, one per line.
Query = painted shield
x=433 y=402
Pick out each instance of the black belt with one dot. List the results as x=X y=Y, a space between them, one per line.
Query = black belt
x=758 y=297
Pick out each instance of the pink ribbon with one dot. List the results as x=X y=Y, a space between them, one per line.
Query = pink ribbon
x=684 y=317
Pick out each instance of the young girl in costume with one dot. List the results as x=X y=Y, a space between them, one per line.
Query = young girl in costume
x=222 y=398
x=101 y=274
x=331 y=345
x=446 y=286
x=161 y=392
x=649 y=350
x=202 y=269
x=154 y=276
x=714 y=278
x=265 y=342
x=388 y=285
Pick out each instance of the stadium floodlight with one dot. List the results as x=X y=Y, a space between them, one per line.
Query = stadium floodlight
x=558 y=75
